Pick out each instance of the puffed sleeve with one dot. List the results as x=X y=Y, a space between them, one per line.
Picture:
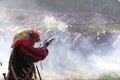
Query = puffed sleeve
x=22 y=43
x=34 y=54
x=16 y=43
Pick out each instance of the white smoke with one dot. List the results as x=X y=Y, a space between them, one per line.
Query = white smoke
x=65 y=60
x=51 y=22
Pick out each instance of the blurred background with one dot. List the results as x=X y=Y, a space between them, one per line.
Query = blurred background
x=87 y=36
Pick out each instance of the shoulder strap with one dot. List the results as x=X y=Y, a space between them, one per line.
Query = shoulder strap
x=13 y=72
x=34 y=72
x=11 y=66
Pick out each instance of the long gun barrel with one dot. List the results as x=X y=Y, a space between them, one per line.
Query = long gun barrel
x=47 y=42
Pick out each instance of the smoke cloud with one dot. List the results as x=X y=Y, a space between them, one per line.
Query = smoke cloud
x=73 y=53
x=70 y=55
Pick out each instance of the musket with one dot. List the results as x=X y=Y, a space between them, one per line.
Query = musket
x=47 y=42
x=50 y=40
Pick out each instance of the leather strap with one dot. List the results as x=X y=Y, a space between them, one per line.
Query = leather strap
x=13 y=72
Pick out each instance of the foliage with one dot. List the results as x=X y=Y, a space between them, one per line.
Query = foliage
x=109 y=76
x=95 y=27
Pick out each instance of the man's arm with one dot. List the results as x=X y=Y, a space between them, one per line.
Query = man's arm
x=34 y=54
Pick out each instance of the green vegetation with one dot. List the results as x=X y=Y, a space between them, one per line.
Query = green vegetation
x=109 y=76
x=95 y=27
x=109 y=27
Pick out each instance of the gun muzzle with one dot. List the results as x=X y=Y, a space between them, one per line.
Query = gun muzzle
x=47 y=42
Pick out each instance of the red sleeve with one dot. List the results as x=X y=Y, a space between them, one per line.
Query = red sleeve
x=22 y=43
x=17 y=43
x=34 y=54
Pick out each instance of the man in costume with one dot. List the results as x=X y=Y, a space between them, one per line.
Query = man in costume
x=24 y=55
